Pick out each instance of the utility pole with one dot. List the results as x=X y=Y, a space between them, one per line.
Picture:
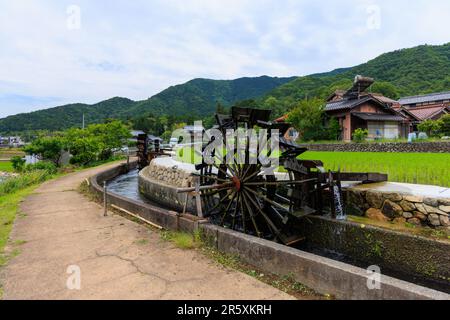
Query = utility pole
x=83 y=120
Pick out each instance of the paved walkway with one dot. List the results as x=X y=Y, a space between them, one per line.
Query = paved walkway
x=118 y=259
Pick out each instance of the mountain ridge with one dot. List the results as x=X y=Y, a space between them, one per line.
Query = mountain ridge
x=405 y=72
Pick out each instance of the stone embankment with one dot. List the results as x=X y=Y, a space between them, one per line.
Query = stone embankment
x=398 y=207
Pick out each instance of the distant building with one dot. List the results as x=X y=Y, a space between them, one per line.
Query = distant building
x=356 y=108
x=425 y=107
x=14 y=141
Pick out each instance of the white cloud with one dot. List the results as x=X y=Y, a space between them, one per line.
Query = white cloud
x=137 y=48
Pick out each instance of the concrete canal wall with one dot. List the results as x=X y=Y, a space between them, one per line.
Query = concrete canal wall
x=322 y=274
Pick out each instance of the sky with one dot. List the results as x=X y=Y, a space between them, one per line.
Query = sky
x=58 y=52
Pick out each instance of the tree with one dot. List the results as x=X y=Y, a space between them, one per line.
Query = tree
x=430 y=127
x=387 y=89
x=307 y=118
x=47 y=148
x=445 y=125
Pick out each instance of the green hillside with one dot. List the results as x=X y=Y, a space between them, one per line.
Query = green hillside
x=406 y=72
x=66 y=116
x=196 y=97
x=413 y=71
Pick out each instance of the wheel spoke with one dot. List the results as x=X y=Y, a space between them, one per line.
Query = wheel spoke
x=218 y=203
x=266 y=199
x=269 y=222
x=228 y=208
x=252 y=215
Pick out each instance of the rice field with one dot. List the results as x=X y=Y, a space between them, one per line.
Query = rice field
x=6 y=166
x=417 y=168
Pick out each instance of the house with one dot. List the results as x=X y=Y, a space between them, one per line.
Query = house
x=12 y=141
x=425 y=107
x=356 y=108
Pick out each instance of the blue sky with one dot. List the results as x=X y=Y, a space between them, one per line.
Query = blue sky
x=57 y=52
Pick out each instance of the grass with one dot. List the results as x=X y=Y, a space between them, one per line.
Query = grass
x=9 y=205
x=417 y=168
x=182 y=240
x=11 y=185
x=6 y=166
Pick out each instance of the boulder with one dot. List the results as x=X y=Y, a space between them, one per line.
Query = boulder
x=414 y=199
x=444 y=202
x=419 y=215
x=356 y=197
x=420 y=207
x=395 y=197
x=391 y=209
x=414 y=221
x=374 y=199
x=376 y=214
x=407 y=215
x=444 y=221
x=407 y=206
x=431 y=202
x=431 y=209
x=446 y=209
x=434 y=220
x=399 y=220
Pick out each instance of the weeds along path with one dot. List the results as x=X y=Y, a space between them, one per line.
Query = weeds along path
x=67 y=249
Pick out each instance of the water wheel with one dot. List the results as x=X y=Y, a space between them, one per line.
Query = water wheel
x=254 y=198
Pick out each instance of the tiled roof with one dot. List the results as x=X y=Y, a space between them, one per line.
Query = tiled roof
x=378 y=116
x=427 y=112
x=426 y=98
x=346 y=104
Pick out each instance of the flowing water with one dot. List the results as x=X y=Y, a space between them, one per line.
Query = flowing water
x=340 y=214
x=127 y=185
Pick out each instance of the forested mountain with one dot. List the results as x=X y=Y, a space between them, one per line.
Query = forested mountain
x=413 y=71
x=197 y=97
x=66 y=116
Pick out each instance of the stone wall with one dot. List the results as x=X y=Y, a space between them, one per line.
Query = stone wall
x=172 y=176
x=422 y=147
x=398 y=207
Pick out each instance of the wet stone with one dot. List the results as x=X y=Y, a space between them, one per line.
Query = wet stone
x=407 y=206
x=434 y=220
x=415 y=221
x=392 y=210
x=414 y=199
x=419 y=215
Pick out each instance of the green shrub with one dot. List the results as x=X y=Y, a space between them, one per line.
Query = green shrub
x=42 y=165
x=18 y=163
x=360 y=135
x=430 y=127
x=23 y=181
x=445 y=125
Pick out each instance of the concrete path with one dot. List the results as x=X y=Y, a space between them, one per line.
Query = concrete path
x=117 y=258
